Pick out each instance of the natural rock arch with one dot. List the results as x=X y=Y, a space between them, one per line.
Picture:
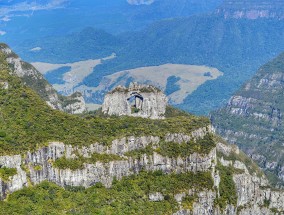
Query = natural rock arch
x=136 y=101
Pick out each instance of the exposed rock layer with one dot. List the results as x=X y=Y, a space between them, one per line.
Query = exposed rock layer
x=252 y=190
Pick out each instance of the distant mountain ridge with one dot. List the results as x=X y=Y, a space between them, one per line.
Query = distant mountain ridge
x=252 y=9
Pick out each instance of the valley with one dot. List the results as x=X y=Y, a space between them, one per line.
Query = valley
x=237 y=47
x=177 y=80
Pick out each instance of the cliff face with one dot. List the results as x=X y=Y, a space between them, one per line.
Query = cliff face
x=35 y=80
x=39 y=165
x=252 y=190
x=253 y=117
x=252 y=9
x=137 y=100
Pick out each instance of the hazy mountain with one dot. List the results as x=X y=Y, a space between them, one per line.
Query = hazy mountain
x=20 y=20
x=252 y=9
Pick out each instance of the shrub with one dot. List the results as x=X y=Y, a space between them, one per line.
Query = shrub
x=6 y=173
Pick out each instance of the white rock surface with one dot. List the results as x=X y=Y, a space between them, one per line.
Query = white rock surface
x=148 y=101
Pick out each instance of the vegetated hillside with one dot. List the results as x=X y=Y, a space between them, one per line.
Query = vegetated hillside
x=235 y=47
x=187 y=174
x=252 y=9
x=35 y=80
x=27 y=122
x=253 y=118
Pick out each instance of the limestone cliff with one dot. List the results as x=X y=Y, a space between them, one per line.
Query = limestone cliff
x=253 y=193
x=136 y=100
x=34 y=79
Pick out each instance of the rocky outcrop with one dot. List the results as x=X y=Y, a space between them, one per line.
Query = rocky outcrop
x=35 y=80
x=254 y=195
x=15 y=182
x=74 y=104
x=137 y=100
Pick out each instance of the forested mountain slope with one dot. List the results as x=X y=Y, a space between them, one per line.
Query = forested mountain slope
x=253 y=118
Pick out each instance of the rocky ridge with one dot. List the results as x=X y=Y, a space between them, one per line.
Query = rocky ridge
x=182 y=144
x=35 y=80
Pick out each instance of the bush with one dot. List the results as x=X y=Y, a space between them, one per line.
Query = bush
x=6 y=173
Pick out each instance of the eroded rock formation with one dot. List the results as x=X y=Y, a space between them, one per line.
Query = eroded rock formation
x=137 y=100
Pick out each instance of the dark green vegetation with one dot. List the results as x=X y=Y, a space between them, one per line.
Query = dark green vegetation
x=26 y=122
x=174 y=150
x=78 y=163
x=172 y=85
x=128 y=196
x=227 y=189
x=174 y=112
x=5 y=173
x=56 y=76
x=258 y=125
x=235 y=47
